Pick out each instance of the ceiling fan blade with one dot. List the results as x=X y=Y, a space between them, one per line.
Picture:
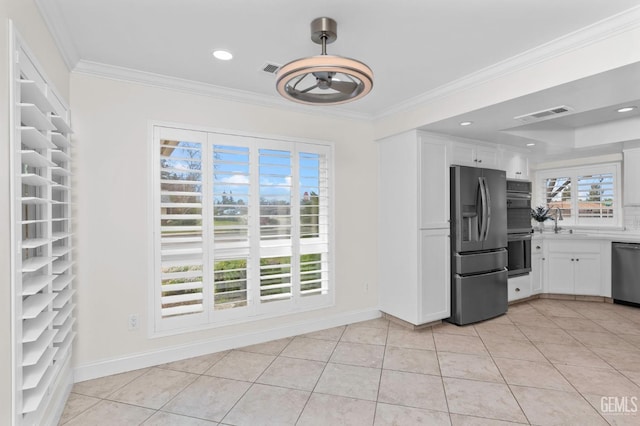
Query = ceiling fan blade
x=308 y=89
x=344 y=86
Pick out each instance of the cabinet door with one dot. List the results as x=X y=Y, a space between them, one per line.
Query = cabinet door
x=434 y=184
x=560 y=272
x=631 y=177
x=519 y=287
x=463 y=154
x=537 y=272
x=487 y=157
x=587 y=274
x=435 y=287
x=515 y=164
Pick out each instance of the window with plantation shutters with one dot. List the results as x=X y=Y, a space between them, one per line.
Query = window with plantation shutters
x=242 y=229
x=585 y=196
x=42 y=269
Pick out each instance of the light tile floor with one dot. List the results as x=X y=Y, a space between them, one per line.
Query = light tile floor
x=546 y=362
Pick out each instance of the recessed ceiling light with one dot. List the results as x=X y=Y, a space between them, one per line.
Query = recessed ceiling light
x=466 y=123
x=223 y=55
x=627 y=109
x=531 y=144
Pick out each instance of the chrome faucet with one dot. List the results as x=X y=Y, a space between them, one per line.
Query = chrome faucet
x=556 y=218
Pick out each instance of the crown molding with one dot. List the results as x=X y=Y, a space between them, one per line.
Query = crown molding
x=55 y=22
x=591 y=34
x=194 y=87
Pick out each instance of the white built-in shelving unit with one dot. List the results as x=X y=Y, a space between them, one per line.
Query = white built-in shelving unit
x=42 y=241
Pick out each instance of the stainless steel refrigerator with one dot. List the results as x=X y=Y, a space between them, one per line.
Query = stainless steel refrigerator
x=478 y=244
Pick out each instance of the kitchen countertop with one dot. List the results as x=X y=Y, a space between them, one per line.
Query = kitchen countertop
x=624 y=236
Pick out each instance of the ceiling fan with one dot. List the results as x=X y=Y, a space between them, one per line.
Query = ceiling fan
x=324 y=79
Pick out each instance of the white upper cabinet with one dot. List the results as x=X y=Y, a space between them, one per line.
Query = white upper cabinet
x=433 y=182
x=516 y=164
x=474 y=155
x=631 y=182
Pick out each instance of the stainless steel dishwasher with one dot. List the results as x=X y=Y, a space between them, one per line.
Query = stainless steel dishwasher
x=625 y=272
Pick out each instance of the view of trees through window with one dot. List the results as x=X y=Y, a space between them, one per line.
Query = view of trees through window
x=581 y=196
x=247 y=194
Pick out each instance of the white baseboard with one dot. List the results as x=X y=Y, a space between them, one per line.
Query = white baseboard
x=136 y=361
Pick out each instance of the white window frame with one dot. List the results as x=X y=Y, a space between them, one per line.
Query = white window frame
x=573 y=173
x=211 y=318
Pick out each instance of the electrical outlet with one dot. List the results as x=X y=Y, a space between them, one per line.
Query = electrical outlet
x=133 y=322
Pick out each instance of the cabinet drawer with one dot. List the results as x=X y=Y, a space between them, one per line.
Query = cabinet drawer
x=519 y=287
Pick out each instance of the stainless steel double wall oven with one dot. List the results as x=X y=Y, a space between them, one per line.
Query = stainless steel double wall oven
x=519 y=227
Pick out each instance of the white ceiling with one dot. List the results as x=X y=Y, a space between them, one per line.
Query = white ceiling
x=413 y=46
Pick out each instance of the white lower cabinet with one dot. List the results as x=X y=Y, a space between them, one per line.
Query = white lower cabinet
x=435 y=288
x=574 y=267
x=519 y=287
x=538 y=261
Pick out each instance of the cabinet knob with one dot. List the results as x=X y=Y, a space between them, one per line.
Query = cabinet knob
x=517 y=289
x=544 y=258
x=518 y=173
x=538 y=247
x=479 y=161
x=577 y=260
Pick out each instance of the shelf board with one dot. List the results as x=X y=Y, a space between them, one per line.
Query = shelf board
x=34 y=305
x=32 y=329
x=32 y=352
x=62 y=281
x=30 y=93
x=31 y=243
x=35 y=180
x=30 y=115
x=60 y=140
x=35 y=283
x=34 y=159
x=34 y=263
x=60 y=124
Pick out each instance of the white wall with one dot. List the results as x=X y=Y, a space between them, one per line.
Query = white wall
x=111 y=175
x=29 y=23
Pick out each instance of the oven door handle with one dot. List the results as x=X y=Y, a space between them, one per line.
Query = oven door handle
x=518 y=237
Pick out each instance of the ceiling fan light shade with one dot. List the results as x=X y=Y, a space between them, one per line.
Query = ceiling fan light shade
x=309 y=80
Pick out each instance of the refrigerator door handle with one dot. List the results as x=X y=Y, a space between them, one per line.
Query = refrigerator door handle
x=484 y=208
x=487 y=204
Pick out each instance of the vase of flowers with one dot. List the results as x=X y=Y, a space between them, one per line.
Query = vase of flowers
x=540 y=214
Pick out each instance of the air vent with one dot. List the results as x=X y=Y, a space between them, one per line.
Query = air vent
x=544 y=114
x=270 y=67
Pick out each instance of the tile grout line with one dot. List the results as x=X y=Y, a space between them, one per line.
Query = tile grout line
x=558 y=370
x=502 y=375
